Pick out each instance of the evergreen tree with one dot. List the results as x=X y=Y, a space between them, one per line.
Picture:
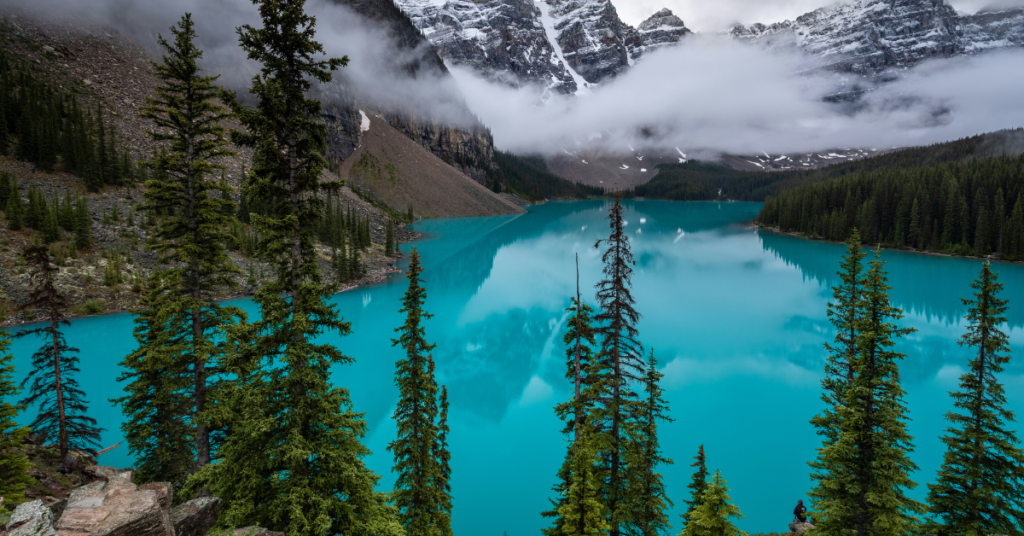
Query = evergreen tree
x=647 y=489
x=192 y=239
x=416 y=416
x=444 y=458
x=15 y=212
x=14 y=464
x=293 y=460
x=712 y=517
x=845 y=312
x=389 y=240
x=581 y=510
x=157 y=401
x=51 y=228
x=52 y=385
x=698 y=486
x=621 y=358
x=582 y=371
x=83 y=225
x=980 y=486
x=869 y=461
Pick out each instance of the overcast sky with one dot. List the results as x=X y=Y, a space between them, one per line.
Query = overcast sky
x=713 y=15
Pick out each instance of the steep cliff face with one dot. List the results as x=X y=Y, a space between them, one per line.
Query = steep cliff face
x=502 y=39
x=870 y=37
x=663 y=28
x=560 y=45
x=458 y=138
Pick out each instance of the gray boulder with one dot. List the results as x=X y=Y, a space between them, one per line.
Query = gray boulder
x=196 y=517
x=256 y=531
x=797 y=528
x=117 y=507
x=31 y=519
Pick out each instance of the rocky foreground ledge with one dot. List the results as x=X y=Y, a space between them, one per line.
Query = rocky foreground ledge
x=115 y=506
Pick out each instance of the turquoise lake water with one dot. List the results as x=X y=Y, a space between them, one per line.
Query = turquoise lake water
x=736 y=317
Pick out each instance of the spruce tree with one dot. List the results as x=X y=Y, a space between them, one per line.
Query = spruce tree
x=581 y=511
x=389 y=240
x=14 y=464
x=417 y=486
x=444 y=457
x=192 y=240
x=712 y=517
x=83 y=225
x=621 y=358
x=647 y=488
x=577 y=412
x=980 y=486
x=698 y=486
x=870 y=461
x=158 y=399
x=15 y=212
x=845 y=312
x=293 y=460
x=62 y=407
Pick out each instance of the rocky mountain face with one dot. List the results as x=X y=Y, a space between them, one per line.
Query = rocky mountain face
x=873 y=37
x=560 y=45
x=465 y=144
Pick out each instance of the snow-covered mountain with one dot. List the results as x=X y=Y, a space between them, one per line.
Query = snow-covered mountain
x=561 y=45
x=874 y=37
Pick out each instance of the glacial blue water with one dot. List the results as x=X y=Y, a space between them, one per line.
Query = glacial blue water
x=736 y=317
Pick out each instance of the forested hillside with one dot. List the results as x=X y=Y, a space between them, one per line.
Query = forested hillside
x=963 y=208
x=529 y=178
x=701 y=181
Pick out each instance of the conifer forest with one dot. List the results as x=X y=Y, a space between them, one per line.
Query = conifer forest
x=264 y=279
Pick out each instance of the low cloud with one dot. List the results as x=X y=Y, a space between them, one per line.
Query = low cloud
x=376 y=75
x=715 y=94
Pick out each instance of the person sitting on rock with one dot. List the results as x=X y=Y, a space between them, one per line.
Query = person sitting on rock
x=800 y=511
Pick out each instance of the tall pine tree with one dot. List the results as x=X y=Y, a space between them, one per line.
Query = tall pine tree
x=698 y=486
x=192 y=238
x=14 y=464
x=845 y=312
x=51 y=382
x=580 y=508
x=293 y=460
x=647 y=487
x=980 y=486
x=418 y=487
x=582 y=371
x=158 y=396
x=622 y=362
x=870 y=461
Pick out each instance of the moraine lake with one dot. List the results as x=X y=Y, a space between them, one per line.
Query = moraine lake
x=736 y=317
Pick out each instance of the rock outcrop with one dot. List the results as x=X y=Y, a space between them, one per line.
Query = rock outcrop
x=797 y=528
x=559 y=45
x=31 y=519
x=115 y=506
x=873 y=37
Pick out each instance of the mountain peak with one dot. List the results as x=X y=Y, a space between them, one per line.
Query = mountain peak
x=663 y=18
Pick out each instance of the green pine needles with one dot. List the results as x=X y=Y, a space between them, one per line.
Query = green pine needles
x=647 y=488
x=980 y=486
x=51 y=382
x=622 y=362
x=581 y=511
x=713 y=516
x=293 y=460
x=863 y=469
x=181 y=321
x=698 y=485
x=14 y=464
x=421 y=488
